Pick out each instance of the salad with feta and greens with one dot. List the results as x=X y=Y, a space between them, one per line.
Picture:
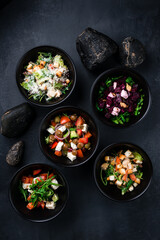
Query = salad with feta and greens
x=123 y=169
x=120 y=98
x=69 y=135
x=39 y=189
x=47 y=78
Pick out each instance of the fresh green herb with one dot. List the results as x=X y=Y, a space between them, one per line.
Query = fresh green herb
x=121 y=118
x=98 y=108
x=66 y=88
x=139 y=105
x=109 y=80
x=104 y=181
x=58 y=85
x=139 y=174
x=23 y=191
x=130 y=81
x=101 y=90
x=125 y=189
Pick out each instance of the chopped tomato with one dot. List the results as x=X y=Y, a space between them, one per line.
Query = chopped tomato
x=37 y=171
x=58 y=153
x=54 y=145
x=30 y=206
x=79 y=132
x=51 y=175
x=42 y=205
x=29 y=197
x=88 y=135
x=53 y=123
x=118 y=161
x=79 y=121
x=30 y=179
x=25 y=179
x=80 y=153
x=132 y=177
x=44 y=176
x=83 y=140
x=64 y=119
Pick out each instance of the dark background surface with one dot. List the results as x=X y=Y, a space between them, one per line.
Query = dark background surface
x=88 y=215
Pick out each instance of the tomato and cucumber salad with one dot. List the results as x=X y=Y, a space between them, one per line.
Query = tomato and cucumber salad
x=69 y=135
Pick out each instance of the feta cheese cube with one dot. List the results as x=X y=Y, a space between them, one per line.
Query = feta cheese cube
x=62 y=128
x=114 y=85
x=111 y=178
x=54 y=186
x=135 y=169
x=26 y=185
x=71 y=156
x=73 y=146
x=111 y=95
x=59 y=146
x=124 y=94
x=128 y=153
x=50 y=205
x=50 y=130
x=115 y=111
x=85 y=127
x=135 y=184
x=131 y=188
x=118 y=183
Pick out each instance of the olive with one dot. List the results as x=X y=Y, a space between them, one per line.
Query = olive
x=57 y=119
x=59 y=133
x=73 y=117
x=87 y=145
x=51 y=138
x=65 y=146
x=80 y=145
x=74 y=152
x=68 y=125
x=75 y=141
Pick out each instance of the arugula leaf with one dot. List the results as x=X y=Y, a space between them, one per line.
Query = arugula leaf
x=98 y=108
x=121 y=118
x=109 y=80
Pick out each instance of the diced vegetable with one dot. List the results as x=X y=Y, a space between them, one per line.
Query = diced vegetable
x=36 y=172
x=64 y=119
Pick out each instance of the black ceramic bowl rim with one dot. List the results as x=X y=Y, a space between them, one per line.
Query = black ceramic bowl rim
x=113 y=145
x=98 y=79
x=23 y=215
x=71 y=107
x=38 y=103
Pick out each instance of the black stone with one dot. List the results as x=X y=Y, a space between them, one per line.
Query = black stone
x=95 y=48
x=15 y=153
x=132 y=52
x=16 y=120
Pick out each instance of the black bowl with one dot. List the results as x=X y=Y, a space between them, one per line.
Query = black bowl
x=111 y=191
x=32 y=56
x=64 y=161
x=114 y=73
x=37 y=214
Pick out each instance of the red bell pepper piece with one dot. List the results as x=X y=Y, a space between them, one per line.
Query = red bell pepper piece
x=80 y=153
x=79 y=132
x=79 y=121
x=58 y=153
x=51 y=175
x=54 y=145
x=64 y=119
x=37 y=171
x=88 y=135
x=83 y=140
x=30 y=206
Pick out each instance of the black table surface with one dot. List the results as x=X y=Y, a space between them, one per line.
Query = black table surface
x=88 y=214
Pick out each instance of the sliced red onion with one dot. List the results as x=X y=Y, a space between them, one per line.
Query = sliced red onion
x=61 y=139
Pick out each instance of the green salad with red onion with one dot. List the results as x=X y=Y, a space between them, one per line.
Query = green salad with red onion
x=119 y=99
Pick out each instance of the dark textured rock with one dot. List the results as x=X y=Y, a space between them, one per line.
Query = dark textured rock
x=132 y=52
x=95 y=48
x=15 y=154
x=16 y=120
